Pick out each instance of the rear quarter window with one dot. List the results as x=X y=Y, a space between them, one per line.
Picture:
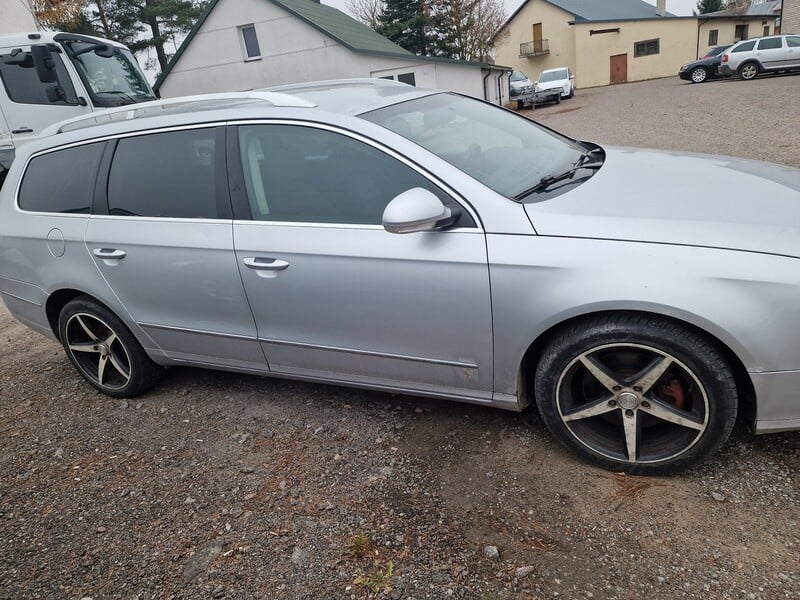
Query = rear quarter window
x=61 y=181
x=746 y=47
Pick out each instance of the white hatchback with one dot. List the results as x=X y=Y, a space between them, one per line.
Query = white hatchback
x=554 y=78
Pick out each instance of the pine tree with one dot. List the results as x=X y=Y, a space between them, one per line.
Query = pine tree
x=142 y=24
x=707 y=6
x=405 y=23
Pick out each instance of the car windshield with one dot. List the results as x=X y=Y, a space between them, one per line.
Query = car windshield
x=112 y=80
x=518 y=76
x=553 y=75
x=505 y=151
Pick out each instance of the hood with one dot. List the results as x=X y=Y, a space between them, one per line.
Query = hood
x=680 y=198
x=549 y=85
x=522 y=83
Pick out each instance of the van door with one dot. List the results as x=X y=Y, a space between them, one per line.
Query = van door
x=30 y=105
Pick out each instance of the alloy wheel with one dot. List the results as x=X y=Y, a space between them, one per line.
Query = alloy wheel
x=748 y=71
x=632 y=403
x=699 y=75
x=98 y=351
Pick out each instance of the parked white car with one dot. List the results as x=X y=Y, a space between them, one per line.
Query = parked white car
x=771 y=54
x=554 y=78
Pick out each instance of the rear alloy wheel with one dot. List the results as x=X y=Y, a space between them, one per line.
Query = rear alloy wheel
x=748 y=71
x=636 y=394
x=104 y=350
x=699 y=74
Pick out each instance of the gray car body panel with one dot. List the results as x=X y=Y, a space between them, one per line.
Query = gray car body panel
x=631 y=238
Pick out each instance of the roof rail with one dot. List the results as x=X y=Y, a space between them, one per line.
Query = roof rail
x=155 y=107
x=333 y=83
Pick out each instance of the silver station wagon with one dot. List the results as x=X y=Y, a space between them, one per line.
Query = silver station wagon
x=373 y=234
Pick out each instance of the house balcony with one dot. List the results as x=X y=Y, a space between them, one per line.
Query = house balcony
x=534 y=48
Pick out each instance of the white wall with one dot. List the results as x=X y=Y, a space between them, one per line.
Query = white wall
x=15 y=17
x=291 y=52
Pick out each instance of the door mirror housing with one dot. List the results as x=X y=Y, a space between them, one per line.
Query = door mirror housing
x=417 y=209
x=43 y=61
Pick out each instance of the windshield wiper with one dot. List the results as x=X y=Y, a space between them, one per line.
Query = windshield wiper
x=583 y=162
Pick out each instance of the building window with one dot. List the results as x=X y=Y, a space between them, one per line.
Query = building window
x=646 y=48
x=713 y=35
x=251 y=49
x=407 y=78
x=740 y=33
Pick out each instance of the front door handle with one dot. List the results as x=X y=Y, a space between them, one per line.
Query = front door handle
x=109 y=253
x=22 y=129
x=265 y=264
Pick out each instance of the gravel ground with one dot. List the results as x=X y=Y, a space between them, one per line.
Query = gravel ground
x=217 y=485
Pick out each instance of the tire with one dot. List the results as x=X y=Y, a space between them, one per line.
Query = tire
x=748 y=71
x=698 y=75
x=104 y=350
x=520 y=105
x=638 y=394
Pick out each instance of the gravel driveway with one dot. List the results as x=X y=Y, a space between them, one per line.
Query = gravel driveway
x=217 y=485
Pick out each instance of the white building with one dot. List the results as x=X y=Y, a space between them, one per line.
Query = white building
x=16 y=15
x=250 y=44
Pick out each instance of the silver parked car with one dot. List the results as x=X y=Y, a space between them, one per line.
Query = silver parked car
x=771 y=54
x=378 y=235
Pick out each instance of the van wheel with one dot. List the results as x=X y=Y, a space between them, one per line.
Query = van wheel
x=104 y=350
x=520 y=105
x=639 y=394
x=748 y=71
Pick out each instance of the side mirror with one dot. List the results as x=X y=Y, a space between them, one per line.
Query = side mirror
x=43 y=61
x=572 y=77
x=417 y=209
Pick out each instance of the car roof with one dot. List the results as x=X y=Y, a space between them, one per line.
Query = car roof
x=349 y=97
x=552 y=70
x=26 y=38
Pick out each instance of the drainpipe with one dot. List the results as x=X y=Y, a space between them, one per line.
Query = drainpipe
x=699 y=25
x=485 y=77
x=499 y=89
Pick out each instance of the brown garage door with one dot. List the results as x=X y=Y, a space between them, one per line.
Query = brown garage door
x=619 y=68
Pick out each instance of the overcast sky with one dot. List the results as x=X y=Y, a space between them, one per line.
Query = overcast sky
x=676 y=7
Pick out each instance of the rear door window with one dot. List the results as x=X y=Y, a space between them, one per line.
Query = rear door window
x=61 y=181
x=770 y=44
x=169 y=174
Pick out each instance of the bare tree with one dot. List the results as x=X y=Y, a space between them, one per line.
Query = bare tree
x=50 y=13
x=468 y=29
x=366 y=11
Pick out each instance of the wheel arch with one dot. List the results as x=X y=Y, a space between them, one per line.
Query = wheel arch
x=744 y=385
x=751 y=61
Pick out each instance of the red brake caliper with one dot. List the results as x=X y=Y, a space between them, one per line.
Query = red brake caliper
x=673 y=390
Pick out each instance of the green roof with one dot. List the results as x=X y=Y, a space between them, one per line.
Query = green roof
x=342 y=27
x=334 y=23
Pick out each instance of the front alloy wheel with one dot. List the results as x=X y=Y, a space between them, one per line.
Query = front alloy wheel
x=638 y=398
x=699 y=75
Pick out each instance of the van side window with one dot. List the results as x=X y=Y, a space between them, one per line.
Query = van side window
x=168 y=174
x=61 y=181
x=23 y=86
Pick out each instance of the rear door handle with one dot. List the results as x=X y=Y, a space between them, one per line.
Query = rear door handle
x=265 y=264
x=109 y=253
x=23 y=130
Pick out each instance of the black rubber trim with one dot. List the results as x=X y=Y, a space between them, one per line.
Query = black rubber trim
x=236 y=187
x=100 y=199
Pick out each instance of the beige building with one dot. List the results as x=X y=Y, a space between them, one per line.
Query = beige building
x=729 y=26
x=624 y=40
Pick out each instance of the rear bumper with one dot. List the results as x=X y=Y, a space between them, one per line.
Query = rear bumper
x=778 y=397
x=725 y=70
